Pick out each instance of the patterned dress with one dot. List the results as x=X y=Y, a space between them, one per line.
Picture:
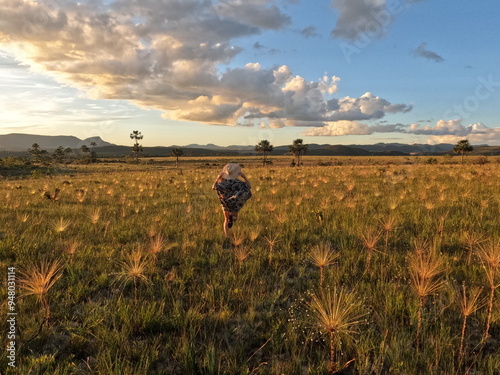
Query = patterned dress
x=232 y=194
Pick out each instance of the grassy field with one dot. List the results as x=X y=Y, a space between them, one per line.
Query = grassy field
x=358 y=266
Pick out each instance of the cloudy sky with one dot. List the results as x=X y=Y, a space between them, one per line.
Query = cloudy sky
x=239 y=71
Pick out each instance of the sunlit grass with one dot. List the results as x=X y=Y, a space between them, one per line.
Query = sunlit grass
x=151 y=284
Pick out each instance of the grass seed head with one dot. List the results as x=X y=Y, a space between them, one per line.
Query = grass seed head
x=336 y=311
x=157 y=243
x=241 y=253
x=71 y=247
x=323 y=255
x=426 y=264
x=469 y=301
x=424 y=287
x=370 y=239
x=38 y=279
x=61 y=225
x=95 y=215
x=133 y=269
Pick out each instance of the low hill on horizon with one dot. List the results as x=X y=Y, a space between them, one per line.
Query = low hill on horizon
x=18 y=144
x=22 y=142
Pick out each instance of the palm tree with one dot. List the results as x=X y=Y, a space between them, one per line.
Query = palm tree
x=137 y=148
x=298 y=149
x=462 y=147
x=265 y=148
x=176 y=152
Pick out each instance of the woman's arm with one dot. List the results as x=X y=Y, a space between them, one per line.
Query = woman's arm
x=217 y=180
x=246 y=180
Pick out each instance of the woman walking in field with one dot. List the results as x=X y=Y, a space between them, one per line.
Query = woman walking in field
x=232 y=193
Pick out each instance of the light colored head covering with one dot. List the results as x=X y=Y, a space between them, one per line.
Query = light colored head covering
x=231 y=171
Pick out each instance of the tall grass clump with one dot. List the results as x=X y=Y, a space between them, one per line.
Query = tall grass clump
x=335 y=314
x=322 y=256
x=425 y=266
x=490 y=258
x=133 y=270
x=38 y=279
x=469 y=301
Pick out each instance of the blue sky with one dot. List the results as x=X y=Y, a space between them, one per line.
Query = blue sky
x=239 y=71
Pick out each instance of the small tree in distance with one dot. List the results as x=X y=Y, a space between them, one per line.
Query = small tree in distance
x=176 y=152
x=137 y=148
x=59 y=155
x=37 y=153
x=265 y=148
x=298 y=148
x=462 y=147
x=89 y=156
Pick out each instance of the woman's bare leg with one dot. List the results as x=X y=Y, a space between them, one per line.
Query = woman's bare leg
x=226 y=222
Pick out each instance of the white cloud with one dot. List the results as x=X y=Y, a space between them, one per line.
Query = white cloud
x=340 y=128
x=343 y=127
x=167 y=55
x=444 y=131
x=442 y=127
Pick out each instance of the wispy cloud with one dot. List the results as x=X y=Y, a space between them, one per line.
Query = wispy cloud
x=309 y=32
x=422 y=51
x=51 y=104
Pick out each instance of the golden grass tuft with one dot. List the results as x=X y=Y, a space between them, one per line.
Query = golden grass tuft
x=38 y=279
x=425 y=267
x=241 y=253
x=468 y=302
x=489 y=254
x=322 y=256
x=335 y=314
x=61 y=225
x=133 y=270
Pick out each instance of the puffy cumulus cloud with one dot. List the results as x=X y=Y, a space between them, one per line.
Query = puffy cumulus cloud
x=167 y=55
x=444 y=131
x=452 y=131
x=345 y=127
x=366 y=107
x=340 y=128
x=442 y=127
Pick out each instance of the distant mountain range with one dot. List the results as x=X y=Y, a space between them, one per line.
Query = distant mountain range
x=17 y=144
x=22 y=142
x=322 y=149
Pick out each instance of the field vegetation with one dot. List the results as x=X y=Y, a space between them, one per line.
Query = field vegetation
x=341 y=265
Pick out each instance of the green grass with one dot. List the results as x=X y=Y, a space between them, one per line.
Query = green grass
x=198 y=310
